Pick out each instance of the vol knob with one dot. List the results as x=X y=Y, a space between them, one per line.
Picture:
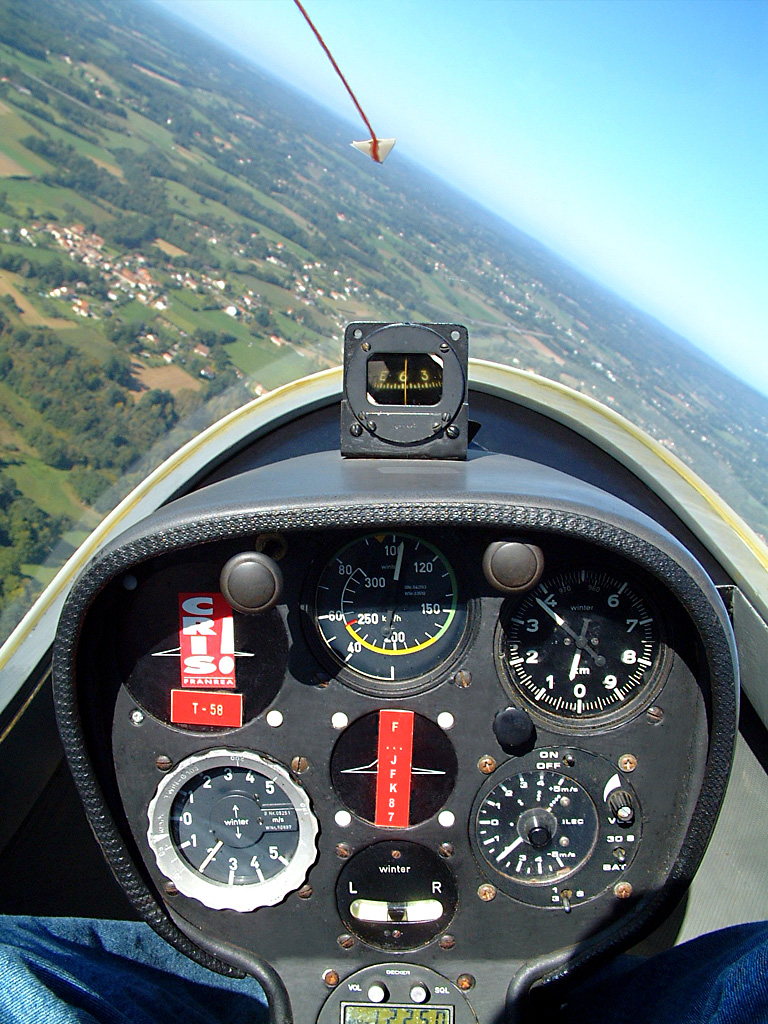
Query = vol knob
x=621 y=807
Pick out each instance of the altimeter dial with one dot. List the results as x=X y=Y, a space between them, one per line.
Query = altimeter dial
x=585 y=645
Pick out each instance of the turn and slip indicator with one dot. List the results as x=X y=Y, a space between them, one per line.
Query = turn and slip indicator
x=394 y=768
x=393 y=781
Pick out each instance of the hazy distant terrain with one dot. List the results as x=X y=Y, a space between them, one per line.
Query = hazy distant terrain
x=179 y=232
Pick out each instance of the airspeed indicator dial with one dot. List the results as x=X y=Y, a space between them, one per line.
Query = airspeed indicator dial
x=387 y=608
x=584 y=646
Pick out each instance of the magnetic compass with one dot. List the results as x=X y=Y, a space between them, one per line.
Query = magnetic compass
x=394 y=768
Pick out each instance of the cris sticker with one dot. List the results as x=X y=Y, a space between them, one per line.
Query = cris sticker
x=206 y=641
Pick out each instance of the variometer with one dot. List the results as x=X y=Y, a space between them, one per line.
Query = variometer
x=233 y=830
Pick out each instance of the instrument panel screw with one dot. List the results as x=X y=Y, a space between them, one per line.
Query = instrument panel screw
x=569 y=760
x=305 y=892
x=170 y=889
x=445 y=849
x=397 y=854
x=331 y=978
x=623 y=890
x=343 y=850
x=447 y=942
x=163 y=763
x=452 y=432
x=137 y=717
x=465 y=982
x=345 y=941
x=487 y=764
x=655 y=715
x=355 y=430
x=627 y=762
x=366 y=346
x=462 y=679
x=487 y=892
x=299 y=765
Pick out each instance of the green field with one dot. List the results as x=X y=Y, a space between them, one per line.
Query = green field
x=47 y=487
x=62 y=202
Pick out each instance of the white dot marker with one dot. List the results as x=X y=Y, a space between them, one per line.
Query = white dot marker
x=275 y=718
x=446 y=818
x=446 y=720
x=339 y=720
x=343 y=819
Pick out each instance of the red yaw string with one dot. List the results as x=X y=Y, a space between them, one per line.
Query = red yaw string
x=337 y=69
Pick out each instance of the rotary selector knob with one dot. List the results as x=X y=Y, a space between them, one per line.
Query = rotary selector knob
x=251 y=582
x=621 y=807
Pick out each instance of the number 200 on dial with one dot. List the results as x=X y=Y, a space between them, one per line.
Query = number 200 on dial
x=387 y=607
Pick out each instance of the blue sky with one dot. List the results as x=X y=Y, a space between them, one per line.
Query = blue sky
x=630 y=136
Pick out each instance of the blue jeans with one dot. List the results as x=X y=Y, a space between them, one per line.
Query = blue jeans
x=73 y=971
x=719 y=978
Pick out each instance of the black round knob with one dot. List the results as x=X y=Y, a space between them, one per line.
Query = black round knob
x=539 y=836
x=512 y=567
x=514 y=730
x=251 y=582
x=621 y=807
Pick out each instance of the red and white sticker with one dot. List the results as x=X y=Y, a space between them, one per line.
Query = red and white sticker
x=206 y=641
x=223 y=709
x=393 y=778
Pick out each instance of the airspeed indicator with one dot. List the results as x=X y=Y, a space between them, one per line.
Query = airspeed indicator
x=387 y=607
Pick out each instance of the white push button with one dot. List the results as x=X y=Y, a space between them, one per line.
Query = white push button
x=419 y=994
x=377 y=993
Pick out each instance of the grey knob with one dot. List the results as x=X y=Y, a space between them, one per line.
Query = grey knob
x=251 y=582
x=512 y=567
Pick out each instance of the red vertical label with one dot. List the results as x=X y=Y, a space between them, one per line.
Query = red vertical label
x=206 y=641
x=393 y=777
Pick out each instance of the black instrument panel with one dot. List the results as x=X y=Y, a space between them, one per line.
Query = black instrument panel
x=397 y=763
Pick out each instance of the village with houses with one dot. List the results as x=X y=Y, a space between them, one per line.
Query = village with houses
x=174 y=242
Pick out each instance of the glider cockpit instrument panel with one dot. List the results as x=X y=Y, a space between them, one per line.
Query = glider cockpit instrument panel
x=404 y=731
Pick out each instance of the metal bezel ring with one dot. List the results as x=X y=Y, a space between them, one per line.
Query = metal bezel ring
x=210 y=892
